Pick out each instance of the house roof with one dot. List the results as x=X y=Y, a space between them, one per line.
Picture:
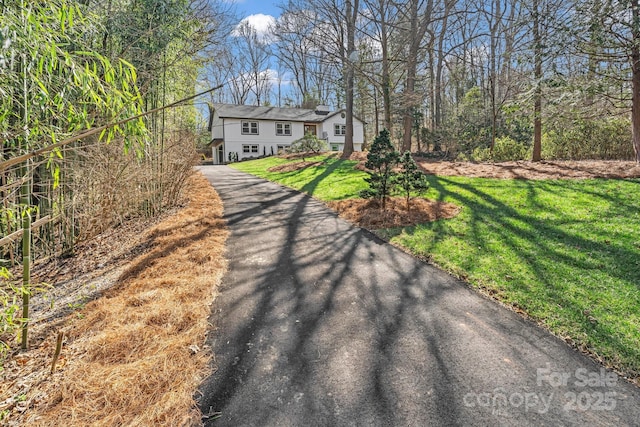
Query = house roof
x=271 y=113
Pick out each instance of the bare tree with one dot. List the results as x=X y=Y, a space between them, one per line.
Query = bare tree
x=294 y=49
x=382 y=20
x=537 y=75
x=332 y=42
x=351 y=11
x=635 y=79
x=438 y=113
x=255 y=54
x=502 y=64
x=419 y=17
x=607 y=32
x=240 y=82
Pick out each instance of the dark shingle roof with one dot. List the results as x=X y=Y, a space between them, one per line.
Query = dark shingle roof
x=269 y=113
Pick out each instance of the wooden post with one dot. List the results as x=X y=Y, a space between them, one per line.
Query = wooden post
x=56 y=354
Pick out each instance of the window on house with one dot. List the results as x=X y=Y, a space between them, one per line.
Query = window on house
x=283 y=148
x=249 y=128
x=283 y=129
x=339 y=130
x=335 y=147
x=250 y=148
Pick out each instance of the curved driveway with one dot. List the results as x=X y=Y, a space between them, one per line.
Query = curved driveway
x=320 y=323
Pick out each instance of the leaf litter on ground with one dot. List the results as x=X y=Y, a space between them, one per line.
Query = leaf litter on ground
x=135 y=353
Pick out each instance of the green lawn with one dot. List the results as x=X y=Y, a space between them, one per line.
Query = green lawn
x=567 y=252
x=334 y=180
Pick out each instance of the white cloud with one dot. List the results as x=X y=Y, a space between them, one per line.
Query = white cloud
x=273 y=76
x=261 y=23
x=268 y=75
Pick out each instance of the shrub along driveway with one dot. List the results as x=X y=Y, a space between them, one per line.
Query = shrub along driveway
x=321 y=323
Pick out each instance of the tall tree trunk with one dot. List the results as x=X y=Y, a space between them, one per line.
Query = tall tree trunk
x=409 y=93
x=417 y=29
x=635 y=111
x=432 y=87
x=351 y=7
x=439 y=113
x=537 y=107
x=410 y=81
x=386 y=84
x=386 y=73
x=493 y=72
x=508 y=52
x=376 y=110
x=635 y=81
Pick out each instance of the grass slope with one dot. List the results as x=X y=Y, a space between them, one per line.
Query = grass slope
x=566 y=252
x=334 y=179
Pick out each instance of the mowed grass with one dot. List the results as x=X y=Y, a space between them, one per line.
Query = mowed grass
x=566 y=252
x=335 y=179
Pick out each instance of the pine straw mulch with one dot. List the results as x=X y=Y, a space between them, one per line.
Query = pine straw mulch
x=369 y=213
x=548 y=169
x=135 y=355
x=557 y=169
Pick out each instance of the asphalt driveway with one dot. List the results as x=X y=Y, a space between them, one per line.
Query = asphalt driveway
x=320 y=323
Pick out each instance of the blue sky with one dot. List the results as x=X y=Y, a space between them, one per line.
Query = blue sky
x=253 y=7
x=261 y=15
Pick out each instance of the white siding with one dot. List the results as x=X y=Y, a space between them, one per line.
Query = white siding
x=266 y=139
x=230 y=130
x=337 y=119
x=216 y=126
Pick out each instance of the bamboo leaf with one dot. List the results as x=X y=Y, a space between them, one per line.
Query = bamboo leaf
x=132 y=69
x=56 y=176
x=62 y=20
x=43 y=88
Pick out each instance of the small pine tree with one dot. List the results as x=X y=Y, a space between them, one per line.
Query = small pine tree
x=410 y=179
x=381 y=160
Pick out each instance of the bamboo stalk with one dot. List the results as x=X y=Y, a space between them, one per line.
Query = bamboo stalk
x=25 y=199
x=26 y=278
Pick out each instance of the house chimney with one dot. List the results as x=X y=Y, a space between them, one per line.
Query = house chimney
x=322 y=110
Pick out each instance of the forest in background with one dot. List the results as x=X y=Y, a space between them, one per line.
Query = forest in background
x=479 y=79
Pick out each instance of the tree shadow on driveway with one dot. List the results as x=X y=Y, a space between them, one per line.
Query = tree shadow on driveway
x=319 y=323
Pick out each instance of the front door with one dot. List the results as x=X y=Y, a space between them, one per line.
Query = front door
x=220 y=151
x=311 y=130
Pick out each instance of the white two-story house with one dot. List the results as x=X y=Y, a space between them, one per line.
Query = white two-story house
x=252 y=131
